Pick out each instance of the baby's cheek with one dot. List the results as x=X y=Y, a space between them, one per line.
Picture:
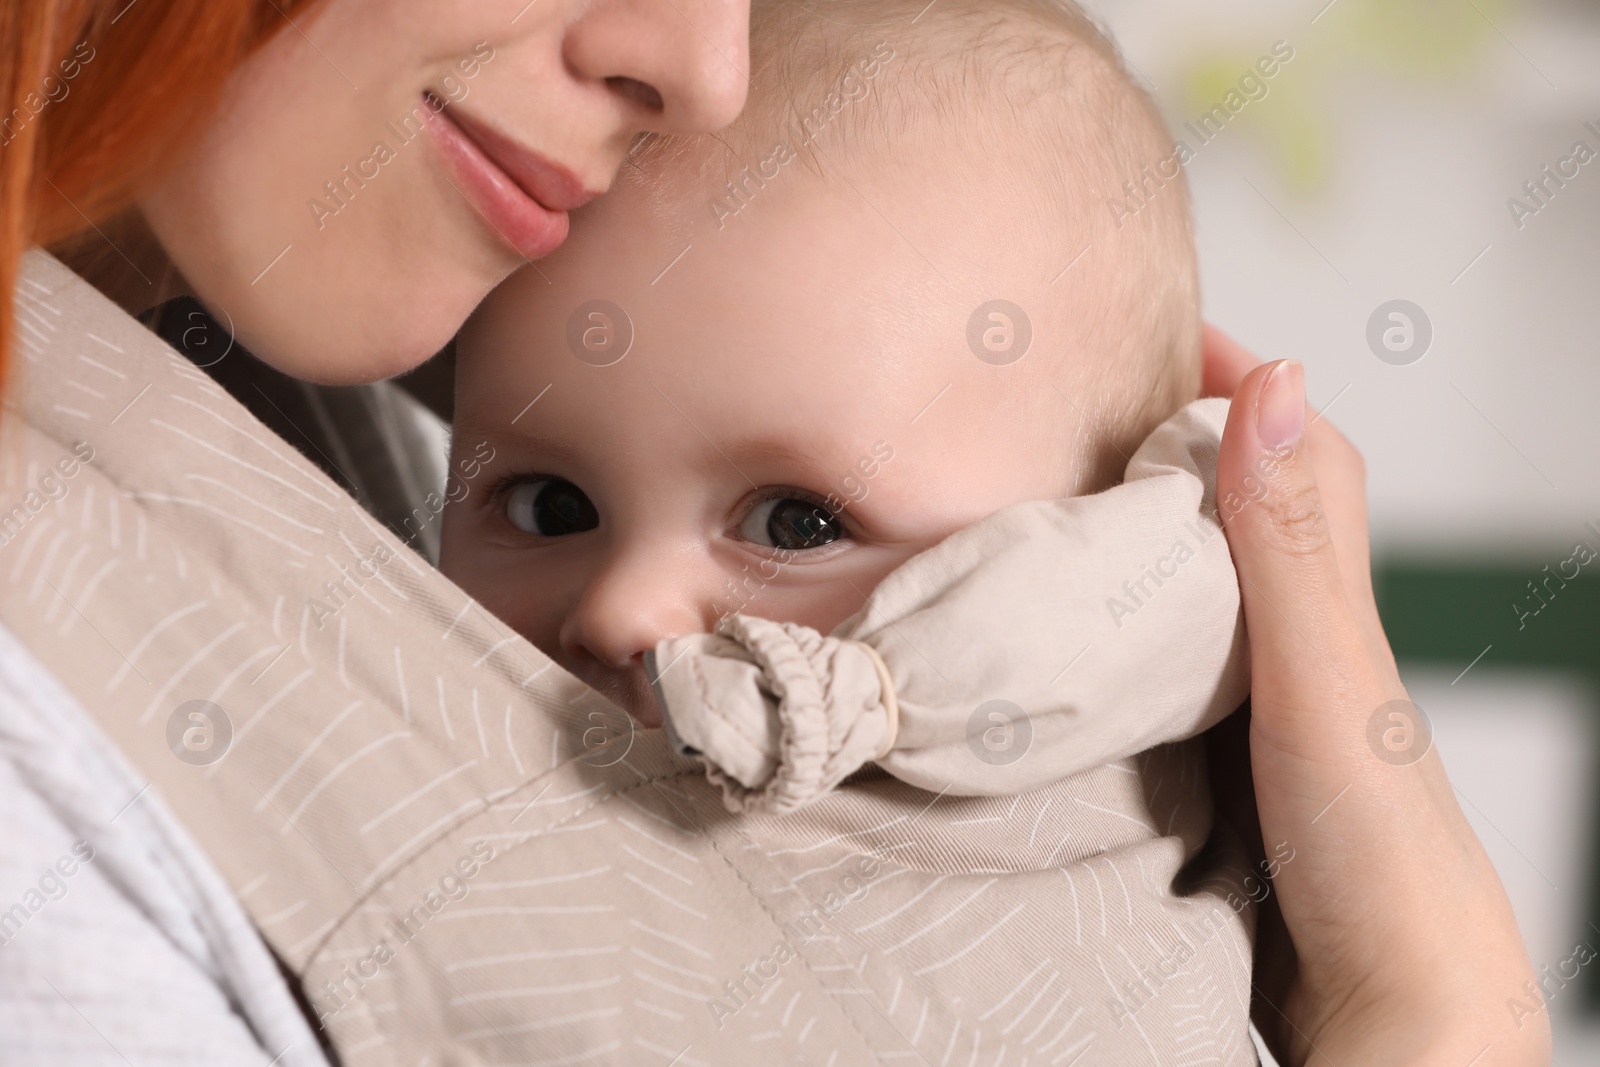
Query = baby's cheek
x=508 y=584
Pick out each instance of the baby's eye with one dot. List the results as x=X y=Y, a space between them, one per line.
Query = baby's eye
x=550 y=507
x=791 y=523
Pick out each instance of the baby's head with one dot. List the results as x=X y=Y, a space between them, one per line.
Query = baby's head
x=775 y=363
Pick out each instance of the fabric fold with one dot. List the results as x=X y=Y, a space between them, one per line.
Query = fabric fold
x=1050 y=637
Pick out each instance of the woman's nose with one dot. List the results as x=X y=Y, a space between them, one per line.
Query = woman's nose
x=686 y=62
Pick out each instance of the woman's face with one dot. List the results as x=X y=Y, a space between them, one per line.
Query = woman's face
x=379 y=166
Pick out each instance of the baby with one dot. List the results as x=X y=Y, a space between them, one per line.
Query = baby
x=745 y=383
x=778 y=366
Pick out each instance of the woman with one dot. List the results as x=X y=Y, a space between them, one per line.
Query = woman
x=372 y=170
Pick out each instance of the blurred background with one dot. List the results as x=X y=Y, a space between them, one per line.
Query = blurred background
x=1385 y=163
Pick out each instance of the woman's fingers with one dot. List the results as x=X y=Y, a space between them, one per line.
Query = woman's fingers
x=1282 y=542
x=1224 y=362
x=1342 y=485
x=1339 y=472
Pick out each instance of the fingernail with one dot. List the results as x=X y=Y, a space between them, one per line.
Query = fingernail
x=1281 y=407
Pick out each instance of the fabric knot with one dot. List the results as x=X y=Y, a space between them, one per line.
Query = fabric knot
x=780 y=713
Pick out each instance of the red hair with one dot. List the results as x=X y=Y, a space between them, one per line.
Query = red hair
x=94 y=96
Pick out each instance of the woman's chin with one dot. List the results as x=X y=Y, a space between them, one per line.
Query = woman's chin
x=321 y=363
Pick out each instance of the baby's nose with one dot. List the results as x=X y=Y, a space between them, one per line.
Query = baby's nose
x=630 y=605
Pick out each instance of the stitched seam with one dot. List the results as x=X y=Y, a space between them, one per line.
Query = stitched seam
x=761 y=903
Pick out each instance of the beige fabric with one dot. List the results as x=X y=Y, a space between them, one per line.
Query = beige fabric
x=1108 y=624
x=414 y=808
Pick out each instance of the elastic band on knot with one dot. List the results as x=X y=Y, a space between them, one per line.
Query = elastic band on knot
x=891 y=706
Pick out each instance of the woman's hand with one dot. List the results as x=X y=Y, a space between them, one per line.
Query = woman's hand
x=1407 y=949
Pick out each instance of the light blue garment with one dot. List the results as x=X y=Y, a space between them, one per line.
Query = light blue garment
x=141 y=953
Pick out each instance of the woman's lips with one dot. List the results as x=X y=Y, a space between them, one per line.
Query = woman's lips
x=522 y=195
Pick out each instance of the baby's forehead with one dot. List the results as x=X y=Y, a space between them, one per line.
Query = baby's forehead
x=891 y=234
x=824 y=302
x=1006 y=180
x=832 y=288
x=970 y=213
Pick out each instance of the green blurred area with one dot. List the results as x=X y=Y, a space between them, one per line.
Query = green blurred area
x=1444 y=614
x=1432 y=40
